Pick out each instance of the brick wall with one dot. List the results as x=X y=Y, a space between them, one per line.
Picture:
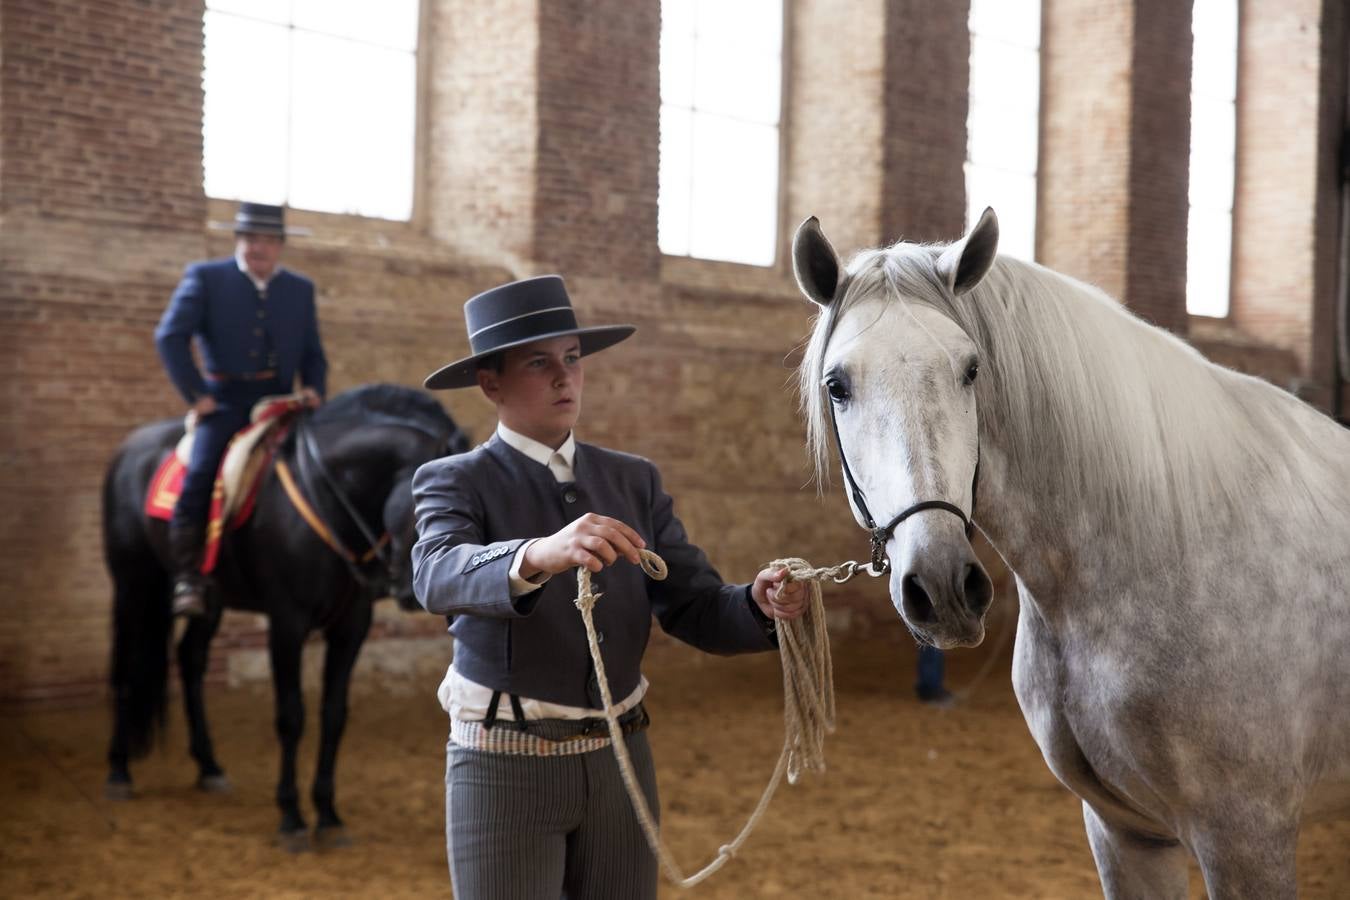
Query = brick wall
x=1115 y=134
x=835 y=122
x=539 y=154
x=926 y=96
x=1083 y=189
x=1291 y=81
x=100 y=106
x=1159 y=164
x=482 y=126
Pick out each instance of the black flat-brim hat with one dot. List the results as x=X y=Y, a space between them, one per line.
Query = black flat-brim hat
x=259 y=218
x=515 y=314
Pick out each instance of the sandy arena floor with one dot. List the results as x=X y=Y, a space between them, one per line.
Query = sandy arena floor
x=917 y=802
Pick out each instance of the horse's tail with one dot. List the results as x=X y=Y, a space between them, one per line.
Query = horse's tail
x=142 y=619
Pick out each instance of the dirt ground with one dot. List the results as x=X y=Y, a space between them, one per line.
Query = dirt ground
x=917 y=802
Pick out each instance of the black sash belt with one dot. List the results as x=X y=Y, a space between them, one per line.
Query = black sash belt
x=636 y=719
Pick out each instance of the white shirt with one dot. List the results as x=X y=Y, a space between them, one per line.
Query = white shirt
x=467 y=701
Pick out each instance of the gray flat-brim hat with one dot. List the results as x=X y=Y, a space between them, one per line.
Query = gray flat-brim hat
x=518 y=313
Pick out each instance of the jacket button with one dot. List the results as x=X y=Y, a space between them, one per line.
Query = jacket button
x=599 y=637
x=570 y=495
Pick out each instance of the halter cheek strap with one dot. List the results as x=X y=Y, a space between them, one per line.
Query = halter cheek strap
x=881 y=534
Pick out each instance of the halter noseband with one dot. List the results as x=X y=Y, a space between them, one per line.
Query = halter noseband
x=881 y=534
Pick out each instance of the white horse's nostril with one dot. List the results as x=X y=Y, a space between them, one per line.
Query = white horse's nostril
x=977 y=589
x=916 y=602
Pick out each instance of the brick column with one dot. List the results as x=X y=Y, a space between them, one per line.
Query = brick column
x=599 y=131
x=1284 y=75
x=1333 y=128
x=926 y=98
x=483 y=121
x=835 y=122
x=100 y=205
x=1115 y=137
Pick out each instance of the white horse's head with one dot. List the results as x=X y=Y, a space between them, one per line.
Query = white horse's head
x=898 y=378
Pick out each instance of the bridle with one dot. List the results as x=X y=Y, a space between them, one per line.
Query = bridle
x=880 y=565
x=311 y=464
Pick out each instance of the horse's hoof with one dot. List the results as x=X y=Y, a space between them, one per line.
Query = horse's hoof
x=294 y=841
x=117 y=790
x=215 y=784
x=331 y=837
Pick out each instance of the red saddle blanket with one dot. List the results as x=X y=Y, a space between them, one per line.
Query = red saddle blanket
x=240 y=476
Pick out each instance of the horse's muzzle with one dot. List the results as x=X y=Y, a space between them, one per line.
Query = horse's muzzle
x=943 y=596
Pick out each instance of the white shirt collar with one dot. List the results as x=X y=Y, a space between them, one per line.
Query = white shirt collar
x=540 y=453
x=259 y=283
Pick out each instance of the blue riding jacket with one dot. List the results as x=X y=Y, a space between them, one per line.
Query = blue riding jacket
x=239 y=329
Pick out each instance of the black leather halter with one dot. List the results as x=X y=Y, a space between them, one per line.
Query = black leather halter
x=881 y=534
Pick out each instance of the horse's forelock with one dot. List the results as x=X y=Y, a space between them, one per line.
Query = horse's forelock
x=902 y=270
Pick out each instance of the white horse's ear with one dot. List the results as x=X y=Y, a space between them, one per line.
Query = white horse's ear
x=968 y=260
x=815 y=263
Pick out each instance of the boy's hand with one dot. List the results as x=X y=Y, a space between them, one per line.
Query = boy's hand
x=593 y=541
x=776 y=599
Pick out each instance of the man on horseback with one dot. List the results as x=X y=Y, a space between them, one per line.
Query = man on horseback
x=256 y=330
x=534 y=798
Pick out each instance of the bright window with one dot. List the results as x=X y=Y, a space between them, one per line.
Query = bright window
x=1002 y=139
x=1209 y=232
x=311 y=103
x=721 y=74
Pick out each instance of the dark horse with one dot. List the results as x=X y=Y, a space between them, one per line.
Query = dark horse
x=354 y=459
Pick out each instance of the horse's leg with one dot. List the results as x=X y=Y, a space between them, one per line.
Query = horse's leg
x=139 y=664
x=1243 y=857
x=344 y=643
x=285 y=641
x=1132 y=866
x=193 y=652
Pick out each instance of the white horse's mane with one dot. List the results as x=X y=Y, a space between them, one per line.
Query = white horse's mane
x=1091 y=401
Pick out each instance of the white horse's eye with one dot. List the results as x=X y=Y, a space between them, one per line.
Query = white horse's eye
x=837 y=390
x=971 y=371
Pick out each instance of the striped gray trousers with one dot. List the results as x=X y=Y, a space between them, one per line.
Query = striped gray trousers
x=545 y=827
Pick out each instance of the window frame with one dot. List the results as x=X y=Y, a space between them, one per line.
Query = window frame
x=969 y=214
x=687 y=268
x=1227 y=315
x=417 y=221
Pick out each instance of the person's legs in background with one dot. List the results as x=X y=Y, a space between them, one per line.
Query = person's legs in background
x=187 y=528
x=932 y=669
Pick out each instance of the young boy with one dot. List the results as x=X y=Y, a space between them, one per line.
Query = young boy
x=535 y=805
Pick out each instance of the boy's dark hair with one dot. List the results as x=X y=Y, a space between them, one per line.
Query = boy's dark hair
x=492 y=362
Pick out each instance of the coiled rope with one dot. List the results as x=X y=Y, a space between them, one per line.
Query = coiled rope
x=808 y=701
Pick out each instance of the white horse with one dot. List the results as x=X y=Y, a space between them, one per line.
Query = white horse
x=1180 y=536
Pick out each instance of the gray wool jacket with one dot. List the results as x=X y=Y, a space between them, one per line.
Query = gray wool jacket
x=474 y=511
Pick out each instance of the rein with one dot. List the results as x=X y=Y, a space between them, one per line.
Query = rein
x=311 y=461
x=879 y=535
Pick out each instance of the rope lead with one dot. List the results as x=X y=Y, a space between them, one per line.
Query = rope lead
x=808 y=702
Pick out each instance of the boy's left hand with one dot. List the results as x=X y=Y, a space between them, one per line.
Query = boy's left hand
x=777 y=599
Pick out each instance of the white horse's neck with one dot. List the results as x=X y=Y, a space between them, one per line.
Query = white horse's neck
x=1116 y=448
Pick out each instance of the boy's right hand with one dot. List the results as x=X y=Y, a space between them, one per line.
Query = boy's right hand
x=593 y=541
